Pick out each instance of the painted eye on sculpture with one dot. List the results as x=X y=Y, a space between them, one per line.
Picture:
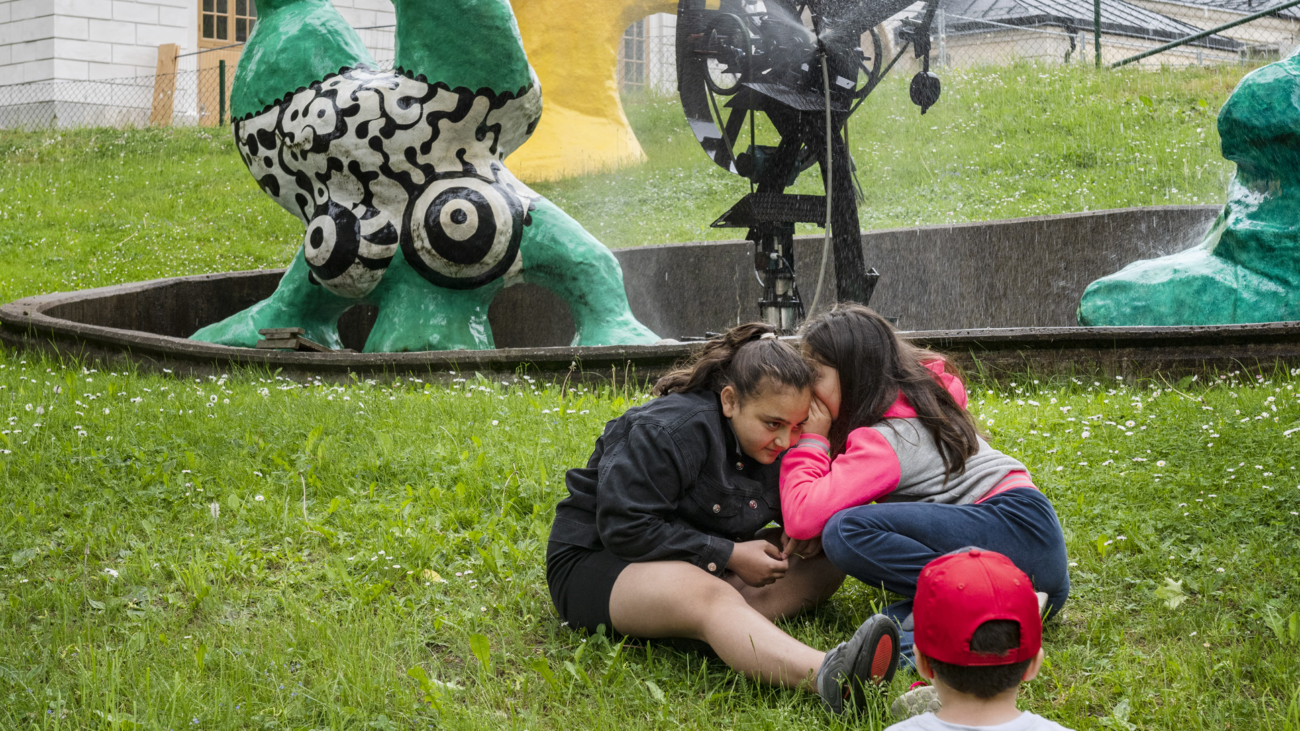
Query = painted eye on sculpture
x=332 y=242
x=462 y=233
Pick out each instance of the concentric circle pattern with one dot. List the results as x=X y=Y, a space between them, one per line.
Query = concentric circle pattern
x=332 y=242
x=462 y=232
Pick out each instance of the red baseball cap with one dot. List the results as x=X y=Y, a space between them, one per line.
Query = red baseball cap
x=959 y=592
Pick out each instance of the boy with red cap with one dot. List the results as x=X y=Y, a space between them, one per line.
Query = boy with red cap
x=979 y=635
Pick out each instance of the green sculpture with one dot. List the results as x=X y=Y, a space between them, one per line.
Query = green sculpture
x=1247 y=269
x=398 y=177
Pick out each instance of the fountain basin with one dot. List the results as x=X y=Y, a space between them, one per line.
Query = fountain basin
x=999 y=296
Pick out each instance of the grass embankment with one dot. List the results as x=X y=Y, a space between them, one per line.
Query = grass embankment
x=94 y=207
x=250 y=552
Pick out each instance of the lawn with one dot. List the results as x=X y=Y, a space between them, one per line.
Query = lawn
x=254 y=552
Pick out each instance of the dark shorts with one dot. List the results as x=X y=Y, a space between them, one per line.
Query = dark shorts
x=581 y=582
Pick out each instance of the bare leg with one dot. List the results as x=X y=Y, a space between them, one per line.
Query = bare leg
x=675 y=599
x=809 y=582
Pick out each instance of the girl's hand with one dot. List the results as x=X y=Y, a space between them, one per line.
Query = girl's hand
x=819 y=419
x=757 y=563
x=803 y=549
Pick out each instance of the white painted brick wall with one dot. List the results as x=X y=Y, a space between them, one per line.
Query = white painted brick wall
x=23 y=9
x=26 y=41
x=135 y=12
x=175 y=17
x=98 y=71
x=111 y=31
x=69 y=40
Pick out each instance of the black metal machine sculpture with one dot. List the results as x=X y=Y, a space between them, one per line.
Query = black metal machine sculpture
x=800 y=64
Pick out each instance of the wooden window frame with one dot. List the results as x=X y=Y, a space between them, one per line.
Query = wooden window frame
x=232 y=19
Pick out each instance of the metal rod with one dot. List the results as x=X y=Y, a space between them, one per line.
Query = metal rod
x=221 y=92
x=1197 y=36
x=1096 y=30
x=942 y=17
x=830 y=162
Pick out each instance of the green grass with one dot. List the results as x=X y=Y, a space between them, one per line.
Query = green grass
x=93 y=207
x=251 y=552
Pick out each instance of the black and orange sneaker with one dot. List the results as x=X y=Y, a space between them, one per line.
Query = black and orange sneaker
x=866 y=663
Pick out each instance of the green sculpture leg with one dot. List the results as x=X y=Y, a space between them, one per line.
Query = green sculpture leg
x=560 y=255
x=295 y=303
x=415 y=315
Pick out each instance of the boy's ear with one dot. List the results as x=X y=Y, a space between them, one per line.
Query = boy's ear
x=730 y=401
x=1035 y=665
x=923 y=665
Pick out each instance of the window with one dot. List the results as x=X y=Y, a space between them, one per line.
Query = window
x=223 y=22
x=631 y=58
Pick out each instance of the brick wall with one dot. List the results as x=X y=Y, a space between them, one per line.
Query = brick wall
x=26 y=41
x=78 y=40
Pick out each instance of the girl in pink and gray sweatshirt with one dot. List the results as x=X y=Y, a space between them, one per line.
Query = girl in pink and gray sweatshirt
x=891 y=472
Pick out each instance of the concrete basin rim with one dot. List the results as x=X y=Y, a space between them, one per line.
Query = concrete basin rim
x=27 y=317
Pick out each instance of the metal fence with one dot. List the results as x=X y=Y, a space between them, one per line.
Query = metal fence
x=965 y=33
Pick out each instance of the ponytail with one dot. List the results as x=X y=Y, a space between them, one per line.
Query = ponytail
x=743 y=358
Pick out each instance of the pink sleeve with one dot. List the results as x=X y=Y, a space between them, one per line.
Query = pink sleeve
x=813 y=488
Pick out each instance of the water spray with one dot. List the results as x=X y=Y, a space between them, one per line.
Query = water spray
x=737 y=59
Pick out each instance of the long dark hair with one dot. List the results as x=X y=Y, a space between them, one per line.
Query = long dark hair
x=743 y=359
x=874 y=368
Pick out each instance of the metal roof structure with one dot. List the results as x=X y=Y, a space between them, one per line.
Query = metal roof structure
x=1117 y=18
x=1241 y=7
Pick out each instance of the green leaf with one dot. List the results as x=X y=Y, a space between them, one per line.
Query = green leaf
x=200 y=652
x=478 y=644
x=20 y=558
x=1146 y=100
x=1118 y=718
x=577 y=672
x=95 y=604
x=543 y=668
x=655 y=693
x=1171 y=593
x=1287 y=629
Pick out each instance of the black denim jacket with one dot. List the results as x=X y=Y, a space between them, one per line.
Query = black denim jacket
x=667 y=481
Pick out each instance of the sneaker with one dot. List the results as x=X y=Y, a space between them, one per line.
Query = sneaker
x=920 y=698
x=868 y=659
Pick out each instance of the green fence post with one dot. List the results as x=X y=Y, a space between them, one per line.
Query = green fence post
x=1096 y=30
x=221 y=91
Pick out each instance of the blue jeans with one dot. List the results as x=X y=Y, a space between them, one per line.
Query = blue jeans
x=887 y=545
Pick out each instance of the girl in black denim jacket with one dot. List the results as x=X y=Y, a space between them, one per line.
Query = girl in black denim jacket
x=659 y=535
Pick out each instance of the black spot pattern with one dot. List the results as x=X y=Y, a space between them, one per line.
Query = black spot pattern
x=351 y=154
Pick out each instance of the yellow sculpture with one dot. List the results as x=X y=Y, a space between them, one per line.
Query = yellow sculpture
x=573 y=47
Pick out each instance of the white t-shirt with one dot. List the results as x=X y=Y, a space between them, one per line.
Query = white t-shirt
x=930 y=722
